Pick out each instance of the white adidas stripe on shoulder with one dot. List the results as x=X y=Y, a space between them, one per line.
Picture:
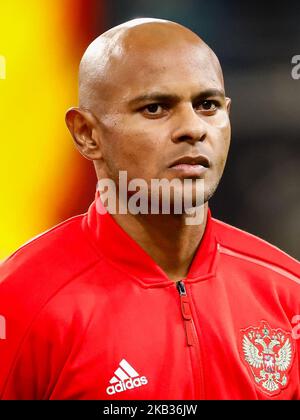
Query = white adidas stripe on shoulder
x=258 y=238
x=275 y=268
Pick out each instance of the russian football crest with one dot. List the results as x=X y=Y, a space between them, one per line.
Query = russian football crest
x=268 y=353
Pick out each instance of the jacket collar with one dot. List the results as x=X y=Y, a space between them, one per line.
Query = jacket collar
x=122 y=251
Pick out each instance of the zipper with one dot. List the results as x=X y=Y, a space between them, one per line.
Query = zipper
x=186 y=314
x=192 y=340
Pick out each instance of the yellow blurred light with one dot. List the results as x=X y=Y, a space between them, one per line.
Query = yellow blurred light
x=36 y=150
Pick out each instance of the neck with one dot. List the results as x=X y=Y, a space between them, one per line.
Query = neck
x=169 y=241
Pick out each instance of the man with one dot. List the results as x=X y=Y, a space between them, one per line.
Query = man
x=128 y=305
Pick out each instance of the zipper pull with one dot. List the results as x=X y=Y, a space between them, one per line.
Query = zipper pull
x=186 y=313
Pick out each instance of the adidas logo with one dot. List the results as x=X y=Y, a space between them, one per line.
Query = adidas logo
x=125 y=377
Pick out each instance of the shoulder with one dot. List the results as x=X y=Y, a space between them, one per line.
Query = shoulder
x=239 y=244
x=51 y=250
x=37 y=270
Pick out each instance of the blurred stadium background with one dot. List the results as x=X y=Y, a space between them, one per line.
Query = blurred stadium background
x=43 y=180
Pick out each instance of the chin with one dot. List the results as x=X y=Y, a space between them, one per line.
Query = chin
x=209 y=192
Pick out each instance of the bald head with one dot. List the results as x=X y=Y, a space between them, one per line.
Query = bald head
x=129 y=43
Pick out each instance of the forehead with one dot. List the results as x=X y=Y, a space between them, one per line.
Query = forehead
x=179 y=68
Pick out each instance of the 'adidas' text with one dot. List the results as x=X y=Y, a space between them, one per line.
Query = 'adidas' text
x=129 y=384
x=125 y=378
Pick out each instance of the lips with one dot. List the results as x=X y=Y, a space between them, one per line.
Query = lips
x=190 y=166
x=199 y=160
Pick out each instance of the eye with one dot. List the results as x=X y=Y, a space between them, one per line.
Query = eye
x=153 y=109
x=208 y=106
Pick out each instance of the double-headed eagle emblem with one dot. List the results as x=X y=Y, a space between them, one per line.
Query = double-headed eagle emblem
x=269 y=355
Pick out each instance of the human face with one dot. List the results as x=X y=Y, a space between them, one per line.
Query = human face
x=160 y=106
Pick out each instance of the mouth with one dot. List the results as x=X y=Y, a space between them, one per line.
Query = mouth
x=191 y=165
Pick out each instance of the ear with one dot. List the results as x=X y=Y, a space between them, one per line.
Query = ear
x=228 y=104
x=82 y=125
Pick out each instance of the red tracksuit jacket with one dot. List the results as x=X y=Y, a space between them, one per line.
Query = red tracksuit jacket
x=87 y=314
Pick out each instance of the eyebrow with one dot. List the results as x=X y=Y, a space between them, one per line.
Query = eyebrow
x=164 y=97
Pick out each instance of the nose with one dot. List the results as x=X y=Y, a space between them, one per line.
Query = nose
x=189 y=126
